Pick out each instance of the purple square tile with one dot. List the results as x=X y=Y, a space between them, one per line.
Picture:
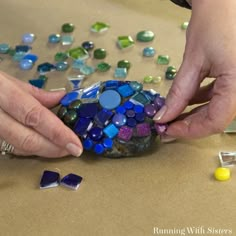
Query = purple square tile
x=143 y=130
x=125 y=133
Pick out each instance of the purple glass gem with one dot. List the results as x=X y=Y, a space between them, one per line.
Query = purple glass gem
x=119 y=119
x=71 y=181
x=143 y=130
x=160 y=128
x=150 y=110
x=96 y=133
x=88 y=110
x=125 y=133
x=130 y=113
x=159 y=102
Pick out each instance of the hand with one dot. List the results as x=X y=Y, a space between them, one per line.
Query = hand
x=210 y=52
x=29 y=126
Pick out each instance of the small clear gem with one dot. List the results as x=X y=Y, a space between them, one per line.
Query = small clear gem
x=4 y=48
x=67 y=40
x=120 y=73
x=125 y=42
x=99 y=27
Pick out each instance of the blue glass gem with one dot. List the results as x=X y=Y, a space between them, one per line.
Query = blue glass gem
x=140 y=117
x=69 y=98
x=4 y=48
x=39 y=83
x=128 y=105
x=28 y=38
x=62 y=66
x=49 y=179
x=119 y=120
x=99 y=148
x=45 y=67
x=149 y=52
x=130 y=113
x=96 y=133
x=88 y=110
x=67 y=40
x=88 y=45
x=103 y=117
x=111 y=131
x=120 y=73
x=138 y=109
x=87 y=144
x=71 y=181
x=87 y=70
x=54 y=38
x=112 y=84
x=110 y=99
x=92 y=91
x=126 y=90
x=131 y=122
x=31 y=57
x=23 y=48
x=107 y=143
x=74 y=82
x=82 y=125
x=121 y=109
x=26 y=64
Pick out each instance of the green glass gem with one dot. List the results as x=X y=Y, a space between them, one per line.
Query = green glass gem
x=125 y=42
x=148 y=79
x=163 y=60
x=61 y=112
x=99 y=53
x=103 y=67
x=78 y=53
x=171 y=69
x=60 y=56
x=67 y=28
x=43 y=77
x=170 y=72
x=99 y=27
x=124 y=64
x=75 y=104
x=157 y=80
x=70 y=117
x=145 y=36
x=11 y=52
x=184 y=25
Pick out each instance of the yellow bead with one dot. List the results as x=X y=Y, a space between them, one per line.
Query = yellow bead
x=222 y=174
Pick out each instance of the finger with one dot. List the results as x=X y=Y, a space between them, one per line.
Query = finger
x=26 y=141
x=48 y=99
x=28 y=111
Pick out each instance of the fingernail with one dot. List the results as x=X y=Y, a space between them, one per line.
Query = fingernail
x=74 y=149
x=160 y=113
x=167 y=139
x=57 y=89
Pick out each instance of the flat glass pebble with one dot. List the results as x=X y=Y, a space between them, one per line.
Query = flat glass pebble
x=4 y=48
x=99 y=148
x=78 y=64
x=110 y=99
x=163 y=60
x=67 y=28
x=150 y=110
x=149 y=52
x=120 y=73
x=159 y=102
x=49 y=179
x=119 y=120
x=130 y=113
x=70 y=117
x=71 y=181
x=184 y=25
x=111 y=131
x=18 y=56
x=125 y=42
x=99 y=27
x=128 y=105
x=103 y=117
x=60 y=56
x=67 y=40
x=222 y=174
x=26 y=64
x=140 y=117
x=125 y=133
x=107 y=143
x=31 y=57
x=78 y=53
x=121 y=109
x=87 y=70
x=157 y=80
x=143 y=130
x=88 y=45
x=87 y=144
x=62 y=66
x=124 y=64
x=69 y=98
x=45 y=67
x=148 y=79
x=103 y=67
x=138 y=109
x=54 y=38
x=99 y=53
x=28 y=38
x=145 y=36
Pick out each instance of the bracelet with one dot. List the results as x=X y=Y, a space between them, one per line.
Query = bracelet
x=183 y=3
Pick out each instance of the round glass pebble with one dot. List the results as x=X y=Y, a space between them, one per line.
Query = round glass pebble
x=96 y=134
x=70 y=117
x=149 y=52
x=62 y=66
x=26 y=64
x=150 y=110
x=54 y=38
x=119 y=120
x=28 y=38
x=99 y=53
x=124 y=64
x=110 y=99
x=145 y=36
x=88 y=45
x=67 y=28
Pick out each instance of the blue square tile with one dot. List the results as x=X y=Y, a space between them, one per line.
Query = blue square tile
x=71 y=181
x=125 y=90
x=49 y=179
x=111 y=131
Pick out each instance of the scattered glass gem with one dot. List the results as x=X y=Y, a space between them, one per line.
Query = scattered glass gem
x=103 y=67
x=78 y=64
x=67 y=28
x=69 y=98
x=78 y=53
x=170 y=72
x=60 y=56
x=49 y=179
x=88 y=45
x=119 y=120
x=111 y=131
x=145 y=36
x=106 y=101
x=99 y=148
x=18 y=56
x=120 y=73
x=222 y=173
x=45 y=67
x=67 y=40
x=31 y=57
x=71 y=181
x=87 y=70
x=157 y=80
x=125 y=133
x=74 y=82
x=149 y=52
x=99 y=27
x=184 y=25
x=62 y=66
x=99 y=53
x=28 y=38
x=26 y=64
x=163 y=60
x=148 y=79
x=124 y=64
x=160 y=128
x=227 y=159
x=23 y=48
x=54 y=38
x=40 y=82
x=143 y=130
x=125 y=42
x=70 y=117
x=4 y=48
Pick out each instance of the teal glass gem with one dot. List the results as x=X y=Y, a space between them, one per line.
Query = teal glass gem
x=54 y=38
x=62 y=66
x=125 y=42
x=184 y=25
x=145 y=36
x=67 y=40
x=40 y=82
x=136 y=86
x=103 y=67
x=120 y=73
x=18 y=56
x=87 y=70
x=60 y=56
x=163 y=60
x=78 y=64
x=4 y=48
x=170 y=72
x=99 y=27
x=78 y=53
x=139 y=99
x=67 y=28
x=124 y=64
x=99 y=53
x=149 y=52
